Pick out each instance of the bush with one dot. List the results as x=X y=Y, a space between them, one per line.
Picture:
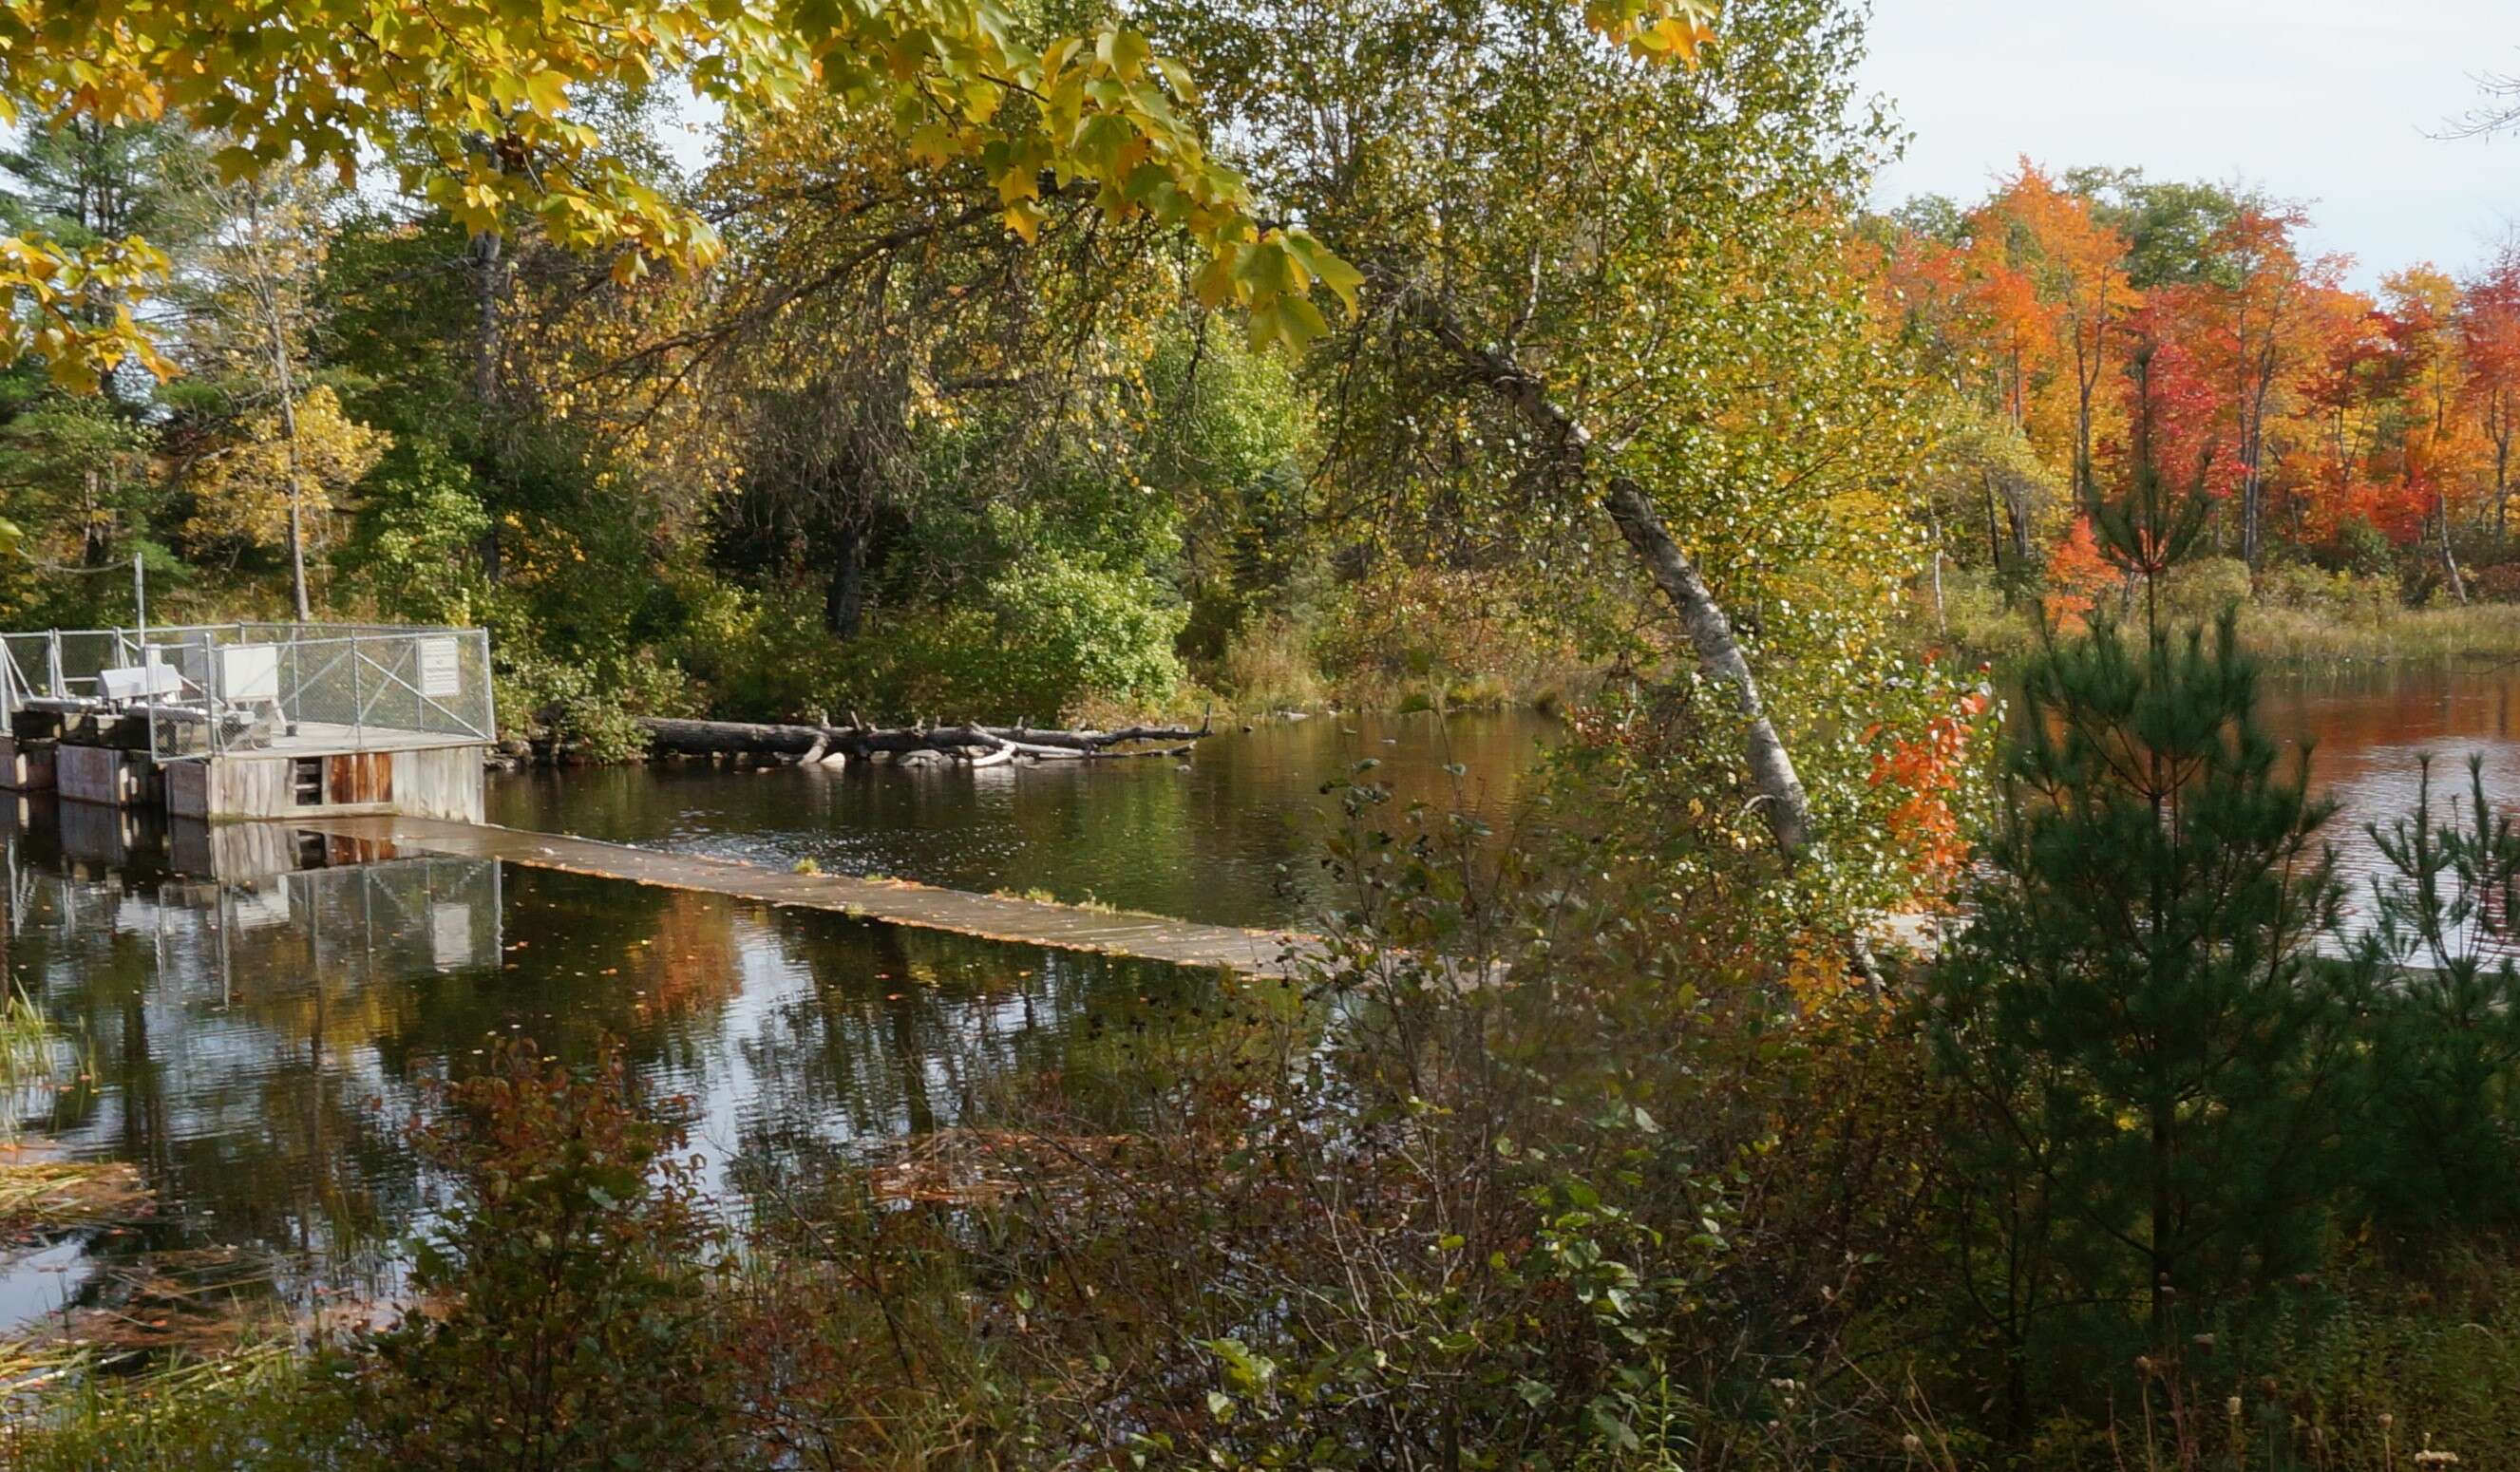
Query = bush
x=1061 y=629
x=2198 y=592
x=1269 y=666
x=2311 y=589
x=562 y=1316
x=592 y=707
x=416 y=546
x=2363 y=550
x=1040 y=639
x=1446 y=637
x=2497 y=584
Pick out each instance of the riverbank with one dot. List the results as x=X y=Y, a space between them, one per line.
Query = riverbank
x=2292 y=636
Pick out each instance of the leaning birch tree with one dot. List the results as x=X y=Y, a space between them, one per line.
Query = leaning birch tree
x=1600 y=286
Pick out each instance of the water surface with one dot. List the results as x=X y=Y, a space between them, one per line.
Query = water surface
x=257 y=1043
x=1224 y=837
x=1227 y=836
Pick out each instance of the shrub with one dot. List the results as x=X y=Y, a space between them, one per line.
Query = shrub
x=1269 y=666
x=2198 y=592
x=1060 y=629
x=2497 y=584
x=1445 y=637
x=591 y=707
x=561 y=1318
x=2302 y=586
x=416 y=548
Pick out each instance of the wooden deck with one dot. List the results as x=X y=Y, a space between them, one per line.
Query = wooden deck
x=323 y=738
x=1038 y=922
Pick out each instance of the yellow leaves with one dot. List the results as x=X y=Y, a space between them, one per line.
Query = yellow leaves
x=1656 y=30
x=1123 y=53
x=1272 y=278
x=486 y=88
x=1673 y=38
x=932 y=143
x=1311 y=258
x=77 y=306
x=548 y=90
x=241 y=489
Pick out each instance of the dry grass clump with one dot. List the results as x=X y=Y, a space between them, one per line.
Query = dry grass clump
x=46 y=1198
x=978 y=1166
x=192 y=1304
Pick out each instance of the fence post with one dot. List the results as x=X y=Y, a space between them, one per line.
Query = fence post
x=489 y=688
x=53 y=662
x=214 y=693
x=358 y=701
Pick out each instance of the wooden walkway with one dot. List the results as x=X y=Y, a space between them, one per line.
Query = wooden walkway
x=1038 y=922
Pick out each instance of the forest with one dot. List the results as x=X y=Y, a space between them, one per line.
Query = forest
x=905 y=452
x=1890 y=567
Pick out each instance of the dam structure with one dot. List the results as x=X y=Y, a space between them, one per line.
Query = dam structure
x=257 y=721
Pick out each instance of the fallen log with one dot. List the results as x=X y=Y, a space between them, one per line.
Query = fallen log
x=979 y=745
x=731 y=738
x=1097 y=741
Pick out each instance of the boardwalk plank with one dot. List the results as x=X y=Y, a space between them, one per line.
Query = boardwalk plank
x=1040 y=922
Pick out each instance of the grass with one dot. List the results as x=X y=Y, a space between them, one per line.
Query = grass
x=257 y=1407
x=2477 y=631
x=36 y=1058
x=1040 y=896
x=2343 y=631
x=48 y=1197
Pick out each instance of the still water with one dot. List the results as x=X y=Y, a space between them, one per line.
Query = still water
x=256 y=1028
x=1226 y=838
x=2369 y=731
x=1229 y=839
x=257 y=1032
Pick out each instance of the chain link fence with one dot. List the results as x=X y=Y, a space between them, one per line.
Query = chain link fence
x=205 y=690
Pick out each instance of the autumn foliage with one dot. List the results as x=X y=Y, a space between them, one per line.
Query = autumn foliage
x=2320 y=420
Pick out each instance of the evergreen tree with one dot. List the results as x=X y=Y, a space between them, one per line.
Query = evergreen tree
x=2156 y=1061
x=2442 y=1133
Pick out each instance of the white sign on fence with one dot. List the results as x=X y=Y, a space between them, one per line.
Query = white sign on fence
x=249 y=673
x=442 y=667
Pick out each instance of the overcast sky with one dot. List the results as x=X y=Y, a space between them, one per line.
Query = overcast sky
x=2322 y=101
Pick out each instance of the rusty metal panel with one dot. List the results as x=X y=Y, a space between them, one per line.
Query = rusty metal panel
x=359 y=777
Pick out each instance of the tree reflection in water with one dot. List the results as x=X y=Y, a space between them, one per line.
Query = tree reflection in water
x=263 y=1025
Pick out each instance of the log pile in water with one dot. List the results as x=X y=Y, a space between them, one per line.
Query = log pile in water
x=973 y=744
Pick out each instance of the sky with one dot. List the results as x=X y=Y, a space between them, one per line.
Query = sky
x=2323 y=102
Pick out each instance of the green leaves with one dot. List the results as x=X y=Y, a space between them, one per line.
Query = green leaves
x=486 y=87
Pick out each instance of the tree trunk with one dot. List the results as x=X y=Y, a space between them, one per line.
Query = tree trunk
x=1700 y=616
x=2450 y=558
x=1719 y=654
x=94 y=547
x=490 y=280
x=1993 y=532
x=2159 y=1256
x=2017 y=516
x=489 y=269
x=845 y=596
x=297 y=497
x=729 y=737
x=2501 y=486
x=1934 y=529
